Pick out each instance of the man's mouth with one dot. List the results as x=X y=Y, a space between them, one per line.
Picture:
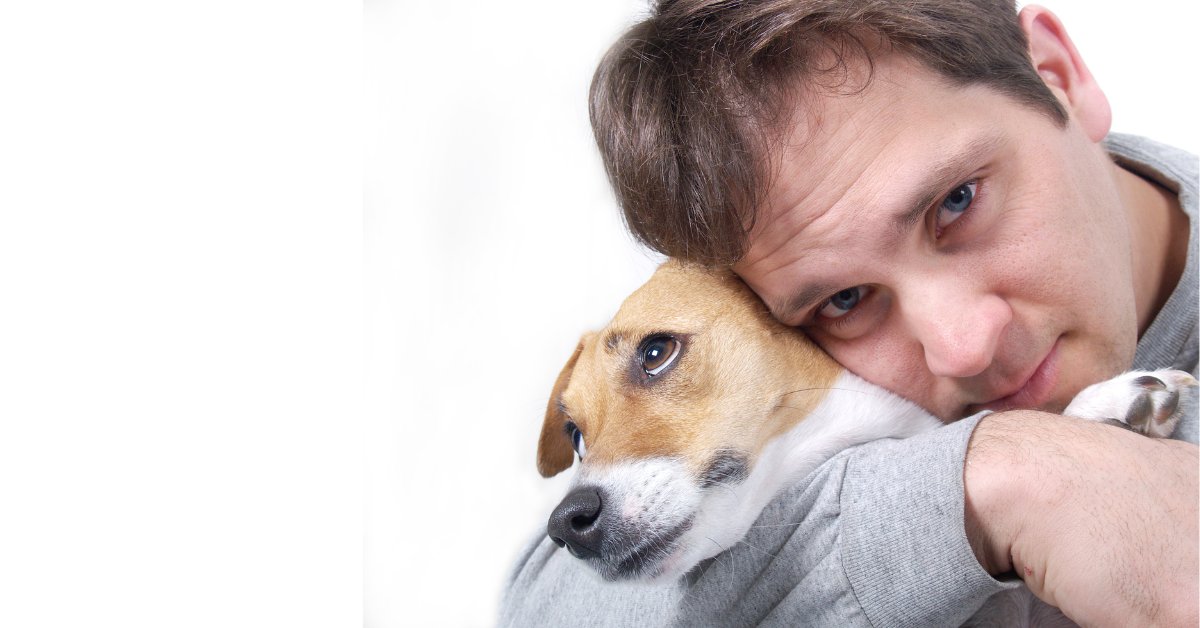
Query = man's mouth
x=1033 y=392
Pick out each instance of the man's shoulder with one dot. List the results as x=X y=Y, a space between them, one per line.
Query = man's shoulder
x=1173 y=167
x=549 y=587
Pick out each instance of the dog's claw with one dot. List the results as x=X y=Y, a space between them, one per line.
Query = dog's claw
x=1150 y=382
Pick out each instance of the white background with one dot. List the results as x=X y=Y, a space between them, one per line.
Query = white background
x=187 y=325
x=494 y=242
x=181 y=313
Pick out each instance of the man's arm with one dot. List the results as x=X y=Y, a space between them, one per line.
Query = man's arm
x=1098 y=521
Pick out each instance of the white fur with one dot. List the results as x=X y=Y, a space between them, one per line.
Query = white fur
x=1111 y=399
x=853 y=412
x=657 y=494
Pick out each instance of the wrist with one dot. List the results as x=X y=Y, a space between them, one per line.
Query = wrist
x=1098 y=521
x=1004 y=485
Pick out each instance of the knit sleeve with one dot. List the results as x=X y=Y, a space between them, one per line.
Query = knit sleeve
x=904 y=545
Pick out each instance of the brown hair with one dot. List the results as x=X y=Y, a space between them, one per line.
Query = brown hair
x=685 y=104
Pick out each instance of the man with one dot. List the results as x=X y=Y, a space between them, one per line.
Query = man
x=930 y=191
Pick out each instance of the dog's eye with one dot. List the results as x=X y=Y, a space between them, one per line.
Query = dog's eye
x=658 y=352
x=576 y=439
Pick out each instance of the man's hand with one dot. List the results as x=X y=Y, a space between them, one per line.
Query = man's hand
x=1098 y=521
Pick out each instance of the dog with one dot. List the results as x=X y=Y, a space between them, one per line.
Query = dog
x=694 y=407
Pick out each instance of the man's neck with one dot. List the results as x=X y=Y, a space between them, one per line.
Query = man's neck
x=1160 y=236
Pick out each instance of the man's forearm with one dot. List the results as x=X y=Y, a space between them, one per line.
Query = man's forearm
x=1098 y=521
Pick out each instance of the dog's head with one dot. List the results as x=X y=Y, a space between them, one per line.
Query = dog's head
x=669 y=409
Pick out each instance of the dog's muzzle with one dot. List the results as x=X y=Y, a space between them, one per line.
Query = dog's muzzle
x=587 y=524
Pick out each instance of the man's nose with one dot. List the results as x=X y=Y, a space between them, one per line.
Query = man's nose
x=959 y=328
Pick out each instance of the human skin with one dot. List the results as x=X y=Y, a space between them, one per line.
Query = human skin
x=1029 y=268
x=1056 y=263
x=1098 y=521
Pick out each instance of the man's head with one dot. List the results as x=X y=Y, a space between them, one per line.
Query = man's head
x=919 y=185
x=690 y=107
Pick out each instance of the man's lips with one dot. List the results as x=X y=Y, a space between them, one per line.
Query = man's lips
x=1034 y=392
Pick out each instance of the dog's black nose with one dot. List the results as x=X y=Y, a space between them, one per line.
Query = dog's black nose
x=575 y=523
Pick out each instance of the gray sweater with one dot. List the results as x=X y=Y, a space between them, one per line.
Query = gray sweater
x=873 y=537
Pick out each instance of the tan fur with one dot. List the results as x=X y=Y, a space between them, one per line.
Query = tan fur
x=554 y=448
x=741 y=378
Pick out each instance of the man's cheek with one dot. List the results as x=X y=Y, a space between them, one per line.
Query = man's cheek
x=883 y=360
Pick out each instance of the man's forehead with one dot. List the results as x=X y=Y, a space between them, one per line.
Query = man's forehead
x=888 y=182
x=828 y=143
x=822 y=187
x=828 y=130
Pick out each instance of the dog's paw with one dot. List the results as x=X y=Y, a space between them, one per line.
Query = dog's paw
x=1147 y=402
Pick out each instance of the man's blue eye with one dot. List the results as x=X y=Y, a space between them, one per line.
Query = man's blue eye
x=955 y=204
x=842 y=302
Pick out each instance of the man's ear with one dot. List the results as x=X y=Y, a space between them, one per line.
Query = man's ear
x=555 y=451
x=1058 y=63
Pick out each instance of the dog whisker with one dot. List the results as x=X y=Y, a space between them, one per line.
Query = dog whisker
x=777 y=525
x=732 y=564
x=825 y=388
x=759 y=549
x=800 y=390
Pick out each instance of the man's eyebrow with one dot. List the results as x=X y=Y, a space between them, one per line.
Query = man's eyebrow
x=801 y=300
x=943 y=174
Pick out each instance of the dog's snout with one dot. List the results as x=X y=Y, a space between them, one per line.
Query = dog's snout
x=575 y=523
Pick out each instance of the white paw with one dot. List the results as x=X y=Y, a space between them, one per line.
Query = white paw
x=1147 y=402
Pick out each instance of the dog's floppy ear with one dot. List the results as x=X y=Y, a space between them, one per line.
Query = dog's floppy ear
x=555 y=451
